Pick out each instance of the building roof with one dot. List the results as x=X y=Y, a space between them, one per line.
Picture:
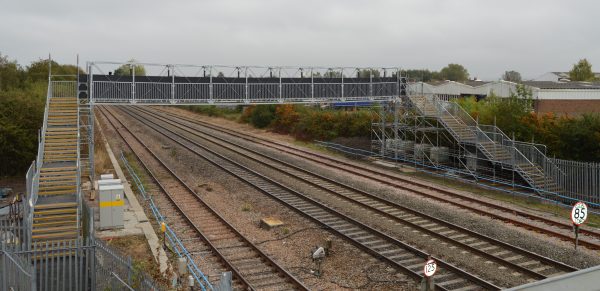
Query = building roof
x=563 y=85
x=475 y=83
x=566 y=75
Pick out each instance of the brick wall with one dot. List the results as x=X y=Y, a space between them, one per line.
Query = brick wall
x=569 y=107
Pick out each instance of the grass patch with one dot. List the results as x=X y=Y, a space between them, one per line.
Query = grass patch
x=138 y=249
x=246 y=207
x=141 y=173
x=102 y=163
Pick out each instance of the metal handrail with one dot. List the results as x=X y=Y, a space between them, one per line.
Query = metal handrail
x=78 y=163
x=505 y=142
x=37 y=167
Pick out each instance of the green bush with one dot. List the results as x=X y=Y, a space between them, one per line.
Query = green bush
x=22 y=103
x=262 y=115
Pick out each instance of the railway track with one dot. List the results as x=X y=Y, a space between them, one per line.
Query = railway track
x=513 y=216
x=203 y=229
x=396 y=253
x=518 y=260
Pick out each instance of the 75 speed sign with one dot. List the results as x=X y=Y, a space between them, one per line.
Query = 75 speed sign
x=579 y=213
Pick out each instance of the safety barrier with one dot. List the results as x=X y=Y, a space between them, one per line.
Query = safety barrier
x=174 y=241
x=190 y=84
x=460 y=174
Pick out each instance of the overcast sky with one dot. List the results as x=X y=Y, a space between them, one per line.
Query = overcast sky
x=487 y=37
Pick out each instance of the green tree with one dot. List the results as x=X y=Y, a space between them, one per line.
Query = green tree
x=366 y=73
x=11 y=74
x=332 y=74
x=125 y=70
x=38 y=70
x=582 y=71
x=423 y=75
x=512 y=76
x=454 y=72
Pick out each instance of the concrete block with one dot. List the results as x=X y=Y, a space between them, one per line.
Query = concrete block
x=270 y=222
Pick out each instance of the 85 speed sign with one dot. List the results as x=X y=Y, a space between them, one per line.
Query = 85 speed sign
x=579 y=213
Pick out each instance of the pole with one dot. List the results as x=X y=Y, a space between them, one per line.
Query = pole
x=163 y=229
x=576 y=227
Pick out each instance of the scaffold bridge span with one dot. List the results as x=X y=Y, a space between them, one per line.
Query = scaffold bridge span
x=198 y=85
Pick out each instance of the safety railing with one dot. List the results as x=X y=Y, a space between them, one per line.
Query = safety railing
x=244 y=93
x=170 y=235
x=118 y=271
x=78 y=161
x=33 y=174
x=581 y=180
x=531 y=165
x=32 y=184
x=533 y=153
x=176 y=84
x=87 y=264
x=16 y=273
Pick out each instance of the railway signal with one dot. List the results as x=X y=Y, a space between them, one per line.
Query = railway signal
x=578 y=216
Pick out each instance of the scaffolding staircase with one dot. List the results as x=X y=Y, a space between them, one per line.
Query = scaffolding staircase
x=524 y=158
x=56 y=209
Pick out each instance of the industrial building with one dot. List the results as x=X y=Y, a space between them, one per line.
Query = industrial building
x=570 y=98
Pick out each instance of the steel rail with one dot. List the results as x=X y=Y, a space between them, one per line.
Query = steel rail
x=375 y=175
x=527 y=270
x=222 y=257
x=316 y=207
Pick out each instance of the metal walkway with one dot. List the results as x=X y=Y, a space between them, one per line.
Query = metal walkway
x=188 y=84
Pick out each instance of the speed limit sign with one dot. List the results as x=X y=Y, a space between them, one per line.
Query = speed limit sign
x=579 y=213
x=429 y=268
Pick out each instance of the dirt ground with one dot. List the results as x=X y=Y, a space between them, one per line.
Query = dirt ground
x=16 y=183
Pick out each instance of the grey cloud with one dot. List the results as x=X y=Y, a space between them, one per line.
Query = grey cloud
x=488 y=37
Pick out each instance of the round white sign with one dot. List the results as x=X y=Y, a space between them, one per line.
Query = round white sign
x=579 y=213
x=429 y=268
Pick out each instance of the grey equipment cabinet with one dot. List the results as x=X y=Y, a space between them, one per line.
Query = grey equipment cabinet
x=112 y=202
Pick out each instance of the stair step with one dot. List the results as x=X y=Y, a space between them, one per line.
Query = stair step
x=57 y=192
x=55 y=178
x=57 y=187
x=55 y=217
x=61 y=129
x=56 y=205
x=65 y=234
x=54 y=229
x=55 y=211
x=58 y=169
x=54 y=223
